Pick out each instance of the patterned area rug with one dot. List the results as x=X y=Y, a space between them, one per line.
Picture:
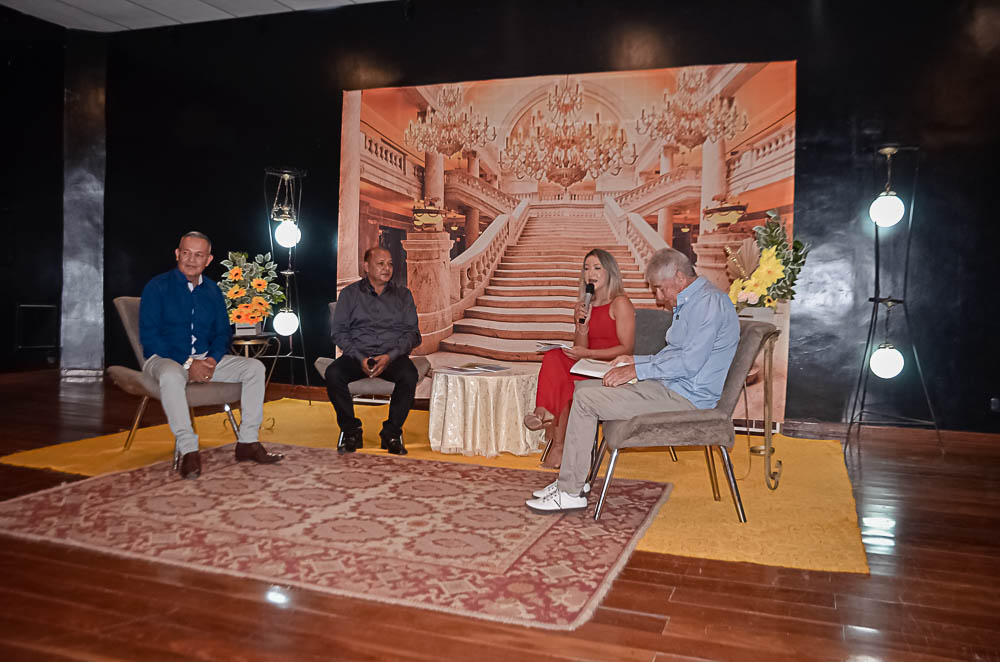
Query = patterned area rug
x=438 y=535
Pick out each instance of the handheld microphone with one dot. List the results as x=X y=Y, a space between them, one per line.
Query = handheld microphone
x=588 y=295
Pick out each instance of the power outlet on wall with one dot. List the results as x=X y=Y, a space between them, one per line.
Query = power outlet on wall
x=995 y=405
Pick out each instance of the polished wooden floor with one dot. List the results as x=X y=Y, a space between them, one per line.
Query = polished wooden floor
x=930 y=520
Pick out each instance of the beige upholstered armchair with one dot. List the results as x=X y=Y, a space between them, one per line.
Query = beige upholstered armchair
x=138 y=383
x=711 y=428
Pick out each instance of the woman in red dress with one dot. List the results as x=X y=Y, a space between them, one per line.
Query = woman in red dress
x=608 y=330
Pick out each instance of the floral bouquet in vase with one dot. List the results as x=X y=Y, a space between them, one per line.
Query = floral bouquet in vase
x=250 y=291
x=765 y=267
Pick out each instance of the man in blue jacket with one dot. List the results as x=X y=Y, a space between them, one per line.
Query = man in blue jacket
x=375 y=326
x=185 y=333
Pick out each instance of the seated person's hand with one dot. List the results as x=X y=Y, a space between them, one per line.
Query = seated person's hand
x=620 y=375
x=577 y=352
x=624 y=359
x=581 y=312
x=380 y=362
x=201 y=370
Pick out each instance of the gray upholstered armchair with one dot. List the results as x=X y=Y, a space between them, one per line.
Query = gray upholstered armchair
x=370 y=390
x=700 y=427
x=138 y=383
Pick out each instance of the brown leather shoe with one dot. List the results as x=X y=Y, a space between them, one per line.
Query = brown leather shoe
x=256 y=453
x=190 y=467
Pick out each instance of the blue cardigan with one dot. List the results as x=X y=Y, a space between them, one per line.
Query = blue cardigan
x=169 y=314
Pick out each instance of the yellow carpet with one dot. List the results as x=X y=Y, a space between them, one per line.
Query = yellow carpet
x=809 y=522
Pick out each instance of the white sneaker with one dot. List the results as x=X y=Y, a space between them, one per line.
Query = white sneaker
x=551 y=488
x=557 y=502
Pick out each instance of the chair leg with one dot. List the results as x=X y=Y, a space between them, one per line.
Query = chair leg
x=673 y=453
x=232 y=420
x=712 y=476
x=607 y=482
x=595 y=464
x=548 y=447
x=727 y=466
x=135 y=422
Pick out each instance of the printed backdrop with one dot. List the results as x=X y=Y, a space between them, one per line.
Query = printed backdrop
x=489 y=193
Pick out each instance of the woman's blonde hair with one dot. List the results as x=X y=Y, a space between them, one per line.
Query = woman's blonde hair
x=609 y=264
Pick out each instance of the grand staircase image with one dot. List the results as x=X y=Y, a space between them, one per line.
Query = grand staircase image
x=535 y=287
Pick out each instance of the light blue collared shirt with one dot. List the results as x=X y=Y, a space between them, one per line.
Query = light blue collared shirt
x=701 y=343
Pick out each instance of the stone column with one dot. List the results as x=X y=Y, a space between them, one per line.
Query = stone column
x=667 y=159
x=434 y=178
x=350 y=191
x=665 y=225
x=428 y=275
x=713 y=177
x=84 y=135
x=710 y=245
x=473 y=158
x=471 y=226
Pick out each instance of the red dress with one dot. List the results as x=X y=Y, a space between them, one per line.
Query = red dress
x=555 y=383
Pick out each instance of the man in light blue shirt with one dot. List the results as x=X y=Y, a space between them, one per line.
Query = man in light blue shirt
x=688 y=373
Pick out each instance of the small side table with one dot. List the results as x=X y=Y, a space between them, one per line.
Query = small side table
x=483 y=414
x=253 y=346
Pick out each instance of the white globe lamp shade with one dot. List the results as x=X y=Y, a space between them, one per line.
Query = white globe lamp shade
x=886 y=210
x=286 y=323
x=287 y=234
x=886 y=361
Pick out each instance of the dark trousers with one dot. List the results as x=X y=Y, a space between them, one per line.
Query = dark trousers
x=346 y=369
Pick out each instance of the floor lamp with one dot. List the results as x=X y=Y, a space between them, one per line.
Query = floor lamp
x=285 y=185
x=886 y=362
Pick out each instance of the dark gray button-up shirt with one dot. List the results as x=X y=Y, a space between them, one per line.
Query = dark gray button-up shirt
x=369 y=324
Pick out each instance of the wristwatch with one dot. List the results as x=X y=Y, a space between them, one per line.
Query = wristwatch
x=187 y=364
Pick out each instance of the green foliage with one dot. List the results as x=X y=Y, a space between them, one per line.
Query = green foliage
x=793 y=257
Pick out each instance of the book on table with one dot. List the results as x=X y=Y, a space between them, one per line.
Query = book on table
x=471 y=369
x=485 y=367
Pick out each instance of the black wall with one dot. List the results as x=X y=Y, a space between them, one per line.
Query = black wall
x=31 y=114
x=196 y=113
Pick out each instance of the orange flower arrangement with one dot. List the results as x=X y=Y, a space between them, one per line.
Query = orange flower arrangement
x=250 y=292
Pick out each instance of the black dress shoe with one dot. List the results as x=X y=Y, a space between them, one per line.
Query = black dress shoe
x=350 y=441
x=394 y=446
x=190 y=466
x=255 y=452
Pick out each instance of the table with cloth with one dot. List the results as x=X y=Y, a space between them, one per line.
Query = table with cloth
x=483 y=413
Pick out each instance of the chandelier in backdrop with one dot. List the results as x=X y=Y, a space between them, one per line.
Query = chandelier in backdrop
x=448 y=129
x=690 y=115
x=562 y=149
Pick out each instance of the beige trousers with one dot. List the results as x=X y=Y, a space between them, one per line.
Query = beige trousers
x=593 y=402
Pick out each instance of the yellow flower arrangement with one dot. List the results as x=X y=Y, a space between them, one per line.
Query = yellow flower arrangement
x=765 y=268
x=250 y=292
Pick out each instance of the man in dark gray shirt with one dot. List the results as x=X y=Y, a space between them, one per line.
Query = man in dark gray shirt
x=375 y=326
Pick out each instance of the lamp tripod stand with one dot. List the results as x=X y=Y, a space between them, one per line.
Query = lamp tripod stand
x=284 y=210
x=878 y=301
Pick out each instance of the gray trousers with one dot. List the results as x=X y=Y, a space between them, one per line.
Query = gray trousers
x=173 y=380
x=594 y=402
